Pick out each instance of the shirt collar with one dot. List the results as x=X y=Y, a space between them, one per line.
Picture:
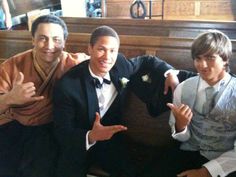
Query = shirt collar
x=203 y=84
x=107 y=76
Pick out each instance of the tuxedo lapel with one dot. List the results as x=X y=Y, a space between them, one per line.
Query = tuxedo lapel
x=115 y=78
x=92 y=100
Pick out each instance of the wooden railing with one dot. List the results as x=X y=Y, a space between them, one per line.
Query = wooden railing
x=169 y=28
x=175 y=51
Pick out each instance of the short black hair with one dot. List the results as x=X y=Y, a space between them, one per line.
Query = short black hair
x=49 y=19
x=103 y=31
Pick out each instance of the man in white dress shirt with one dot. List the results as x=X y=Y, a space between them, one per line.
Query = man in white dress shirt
x=207 y=136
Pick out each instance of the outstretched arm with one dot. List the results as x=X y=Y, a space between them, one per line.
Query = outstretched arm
x=101 y=133
x=148 y=83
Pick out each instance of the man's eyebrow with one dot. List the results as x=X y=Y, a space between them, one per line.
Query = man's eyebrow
x=42 y=35
x=209 y=55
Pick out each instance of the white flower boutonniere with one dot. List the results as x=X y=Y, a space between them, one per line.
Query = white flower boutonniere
x=146 y=78
x=124 y=81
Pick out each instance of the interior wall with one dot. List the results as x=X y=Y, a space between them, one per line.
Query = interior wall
x=179 y=9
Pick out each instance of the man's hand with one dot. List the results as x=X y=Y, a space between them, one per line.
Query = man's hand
x=101 y=133
x=22 y=93
x=171 y=82
x=81 y=56
x=183 y=115
x=201 y=172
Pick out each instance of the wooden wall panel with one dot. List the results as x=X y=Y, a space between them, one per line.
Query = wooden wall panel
x=200 y=9
x=179 y=9
x=118 y=8
x=156 y=8
x=216 y=8
x=121 y=8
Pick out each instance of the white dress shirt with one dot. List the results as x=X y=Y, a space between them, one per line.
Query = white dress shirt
x=109 y=92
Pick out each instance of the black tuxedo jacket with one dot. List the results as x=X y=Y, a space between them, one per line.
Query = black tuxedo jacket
x=75 y=100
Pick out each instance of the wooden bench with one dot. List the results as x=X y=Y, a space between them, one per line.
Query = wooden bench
x=146 y=135
x=151 y=27
x=2 y=60
x=175 y=51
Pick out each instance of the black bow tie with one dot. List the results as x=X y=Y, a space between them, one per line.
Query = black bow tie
x=98 y=84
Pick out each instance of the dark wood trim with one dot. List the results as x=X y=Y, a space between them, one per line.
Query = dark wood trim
x=175 y=51
x=151 y=27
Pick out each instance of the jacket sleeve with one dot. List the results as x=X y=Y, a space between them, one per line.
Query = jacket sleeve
x=148 y=83
x=64 y=112
x=157 y=104
x=184 y=74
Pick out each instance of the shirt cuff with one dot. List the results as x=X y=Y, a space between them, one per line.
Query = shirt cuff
x=88 y=145
x=181 y=136
x=214 y=169
x=172 y=71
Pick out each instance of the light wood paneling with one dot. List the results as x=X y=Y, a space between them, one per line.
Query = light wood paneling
x=179 y=9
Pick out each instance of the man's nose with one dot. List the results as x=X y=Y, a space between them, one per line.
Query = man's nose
x=203 y=63
x=107 y=55
x=50 y=44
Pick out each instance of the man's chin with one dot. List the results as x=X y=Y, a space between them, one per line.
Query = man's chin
x=50 y=60
x=206 y=78
x=204 y=74
x=105 y=69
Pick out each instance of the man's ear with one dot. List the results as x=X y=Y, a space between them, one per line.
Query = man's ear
x=64 y=45
x=33 y=41
x=89 y=49
x=226 y=61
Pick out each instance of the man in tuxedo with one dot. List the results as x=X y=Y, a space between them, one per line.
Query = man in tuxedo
x=88 y=104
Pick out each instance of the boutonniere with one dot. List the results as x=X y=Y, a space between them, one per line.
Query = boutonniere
x=146 y=78
x=124 y=81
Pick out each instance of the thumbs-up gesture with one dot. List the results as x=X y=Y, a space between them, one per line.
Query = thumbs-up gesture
x=22 y=93
x=183 y=115
x=101 y=133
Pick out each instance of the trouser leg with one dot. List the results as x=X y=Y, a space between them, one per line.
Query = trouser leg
x=11 y=147
x=173 y=162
